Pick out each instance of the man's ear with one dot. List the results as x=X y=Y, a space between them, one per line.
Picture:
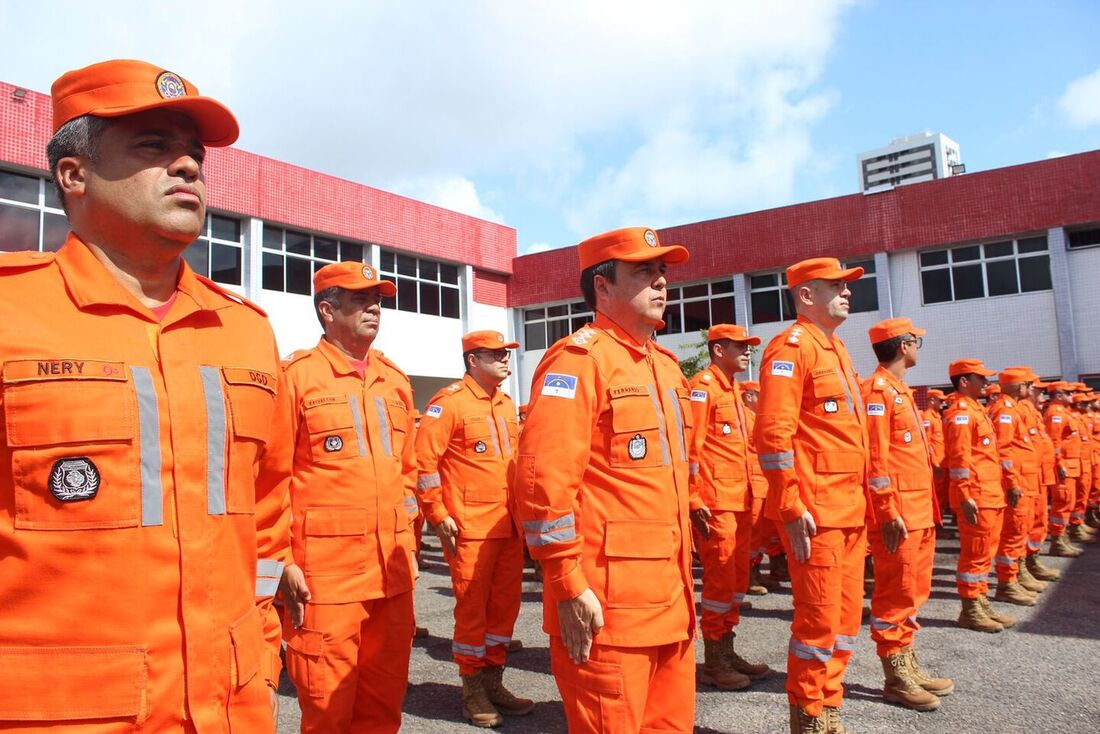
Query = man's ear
x=71 y=176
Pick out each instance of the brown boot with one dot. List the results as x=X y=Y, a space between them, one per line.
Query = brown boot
x=1038 y=570
x=1028 y=581
x=900 y=686
x=1005 y=620
x=717 y=671
x=501 y=698
x=935 y=686
x=832 y=721
x=756 y=583
x=803 y=723
x=1081 y=534
x=755 y=671
x=1092 y=518
x=777 y=567
x=1060 y=548
x=1011 y=592
x=421 y=632
x=515 y=646
x=973 y=617
x=869 y=573
x=476 y=706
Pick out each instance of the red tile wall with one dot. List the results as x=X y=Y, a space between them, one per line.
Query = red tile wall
x=491 y=288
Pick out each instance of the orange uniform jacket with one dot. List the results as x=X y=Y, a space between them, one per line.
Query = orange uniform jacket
x=352 y=491
x=932 y=421
x=464 y=449
x=900 y=474
x=758 y=481
x=138 y=553
x=811 y=429
x=1063 y=427
x=719 y=452
x=1038 y=432
x=973 y=465
x=602 y=484
x=1016 y=445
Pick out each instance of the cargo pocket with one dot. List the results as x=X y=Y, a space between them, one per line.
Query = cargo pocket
x=75 y=457
x=838 y=477
x=251 y=399
x=596 y=690
x=637 y=438
x=821 y=577
x=305 y=660
x=334 y=428
x=334 y=541
x=51 y=684
x=641 y=569
x=247 y=638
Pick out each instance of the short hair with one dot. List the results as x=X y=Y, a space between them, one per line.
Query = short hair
x=588 y=280
x=887 y=351
x=466 y=360
x=331 y=295
x=955 y=379
x=724 y=342
x=78 y=137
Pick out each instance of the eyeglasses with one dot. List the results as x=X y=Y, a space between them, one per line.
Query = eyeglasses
x=918 y=340
x=494 y=355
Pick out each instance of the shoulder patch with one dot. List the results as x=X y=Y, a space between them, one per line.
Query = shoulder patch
x=559 y=386
x=1005 y=418
x=698 y=396
x=876 y=409
x=1056 y=419
x=434 y=411
x=782 y=368
x=962 y=420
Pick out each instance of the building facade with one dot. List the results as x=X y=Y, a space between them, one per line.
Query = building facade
x=912 y=159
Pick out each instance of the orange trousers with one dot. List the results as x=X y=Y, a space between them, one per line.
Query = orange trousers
x=725 y=556
x=487 y=578
x=1081 y=498
x=627 y=690
x=765 y=536
x=903 y=583
x=828 y=604
x=942 y=491
x=350 y=664
x=1015 y=528
x=976 y=546
x=1062 y=501
x=1040 y=512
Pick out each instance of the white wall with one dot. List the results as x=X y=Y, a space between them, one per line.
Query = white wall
x=1084 y=278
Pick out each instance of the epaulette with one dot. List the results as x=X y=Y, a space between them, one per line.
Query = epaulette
x=229 y=295
x=24 y=260
x=667 y=352
x=582 y=339
x=794 y=334
x=707 y=377
x=387 y=361
x=295 y=356
x=1008 y=403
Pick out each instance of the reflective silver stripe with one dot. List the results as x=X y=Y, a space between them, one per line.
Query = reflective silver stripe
x=1033 y=545
x=958 y=473
x=877 y=623
x=859 y=396
x=504 y=437
x=266 y=586
x=152 y=491
x=970 y=578
x=383 y=425
x=493 y=435
x=879 y=482
x=717 y=607
x=477 y=651
x=214 y=394
x=429 y=481
x=410 y=506
x=845 y=643
x=542 y=526
x=847 y=391
x=809 y=652
x=693 y=468
x=1076 y=516
x=661 y=421
x=781 y=456
x=738 y=598
x=679 y=422
x=269 y=568
x=535 y=540
x=776 y=465
x=1006 y=463
x=491 y=639
x=1057 y=521
x=1004 y=561
x=357 y=417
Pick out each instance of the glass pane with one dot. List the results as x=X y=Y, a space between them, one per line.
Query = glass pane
x=867 y=265
x=18 y=187
x=864 y=295
x=351 y=251
x=448 y=273
x=938 y=257
x=1081 y=238
x=696 y=291
x=429 y=270
x=1033 y=244
x=385 y=261
x=298 y=243
x=762 y=281
x=448 y=306
x=197 y=256
x=672 y=294
x=224 y=228
x=225 y=264
x=696 y=316
x=273 y=237
x=552 y=311
x=429 y=299
x=326 y=249
x=273 y=271
x=534 y=336
x=557 y=330
x=406 y=294
x=1001 y=277
x=722 y=286
x=788 y=304
x=299 y=276
x=723 y=311
x=389 y=302
x=53 y=200
x=1035 y=273
x=577 y=322
x=406 y=266
x=765 y=307
x=998 y=249
x=936 y=285
x=965 y=254
x=532 y=314
x=18 y=228
x=55 y=228
x=317 y=265
x=578 y=307
x=968 y=282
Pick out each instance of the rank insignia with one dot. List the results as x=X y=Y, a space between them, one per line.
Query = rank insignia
x=480 y=447
x=726 y=430
x=908 y=437
x=637 y=447
x=831 y=406
x=333 y=444
x=74 y=479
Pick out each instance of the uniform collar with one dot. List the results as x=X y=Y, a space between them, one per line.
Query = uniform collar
x=720 y=377
x=620 y=334
x=891 y=379
x=815 y=331
x=341 y=365
x=478 y=391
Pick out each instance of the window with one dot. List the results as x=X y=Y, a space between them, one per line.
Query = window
x=218 y=253
x=696 y=306
x=544 y=325
x=423 y=286
x=290 y=258
x=30 y=214
x=771 y=301
x=992 y=269
x=1089 y=237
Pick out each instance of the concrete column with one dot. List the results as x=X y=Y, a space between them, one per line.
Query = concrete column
x=882 y=283
x=1063 y=303
x=253 y=259
x=741 y=303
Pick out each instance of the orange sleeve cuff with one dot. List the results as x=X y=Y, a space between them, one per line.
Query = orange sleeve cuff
x=563 y=578
x=436 y=513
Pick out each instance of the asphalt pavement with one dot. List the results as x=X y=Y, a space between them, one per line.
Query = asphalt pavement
x=1043 y=676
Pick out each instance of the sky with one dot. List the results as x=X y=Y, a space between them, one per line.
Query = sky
x=566 y=119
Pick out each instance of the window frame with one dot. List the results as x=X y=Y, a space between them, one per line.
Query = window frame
x=40 y=206
x=983 y=261
x=681 y=301
x=316 y=262
x=418 y=281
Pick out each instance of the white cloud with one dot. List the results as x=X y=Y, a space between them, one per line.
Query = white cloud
x=537 y=247
x=1055 y=154
x=1081 y=101
x=450 y=192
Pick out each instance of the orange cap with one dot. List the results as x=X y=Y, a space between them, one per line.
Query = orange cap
x=968 y=367
x=1039 y=384
x=750 y=385
x=1081 y=387
x=733 y=332
x=123 y=87
x=992 y=389
x=353 y=276
x=890 y=328
x=1056 y=386
x=824 y=268
x=1015 y=376
x=939 y=394
x=485 y=340
x=632 y=244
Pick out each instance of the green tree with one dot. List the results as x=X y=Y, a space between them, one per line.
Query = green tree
x=699 y=360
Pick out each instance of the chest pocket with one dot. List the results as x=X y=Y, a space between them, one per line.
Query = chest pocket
x=725 y=421
x=74 y=444
x=334 y=427
x=250 y=395
x=829 y=398
x=397 y=415
x=638 y=437
x=480 y=439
